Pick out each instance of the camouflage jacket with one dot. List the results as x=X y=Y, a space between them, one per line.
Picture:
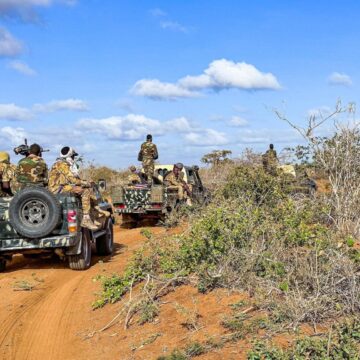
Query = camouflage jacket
x=172 y=180
x=134 y=178
x=148 y=151
x=61 y=176
x=7 y=174
x=271 y=155
x=32 y=170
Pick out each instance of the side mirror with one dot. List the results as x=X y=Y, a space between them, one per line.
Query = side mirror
x=102 y=185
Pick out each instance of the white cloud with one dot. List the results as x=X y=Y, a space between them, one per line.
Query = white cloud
x=155 y=89
x=61 y=105
x=129 y=127
x=207 y=137
x=179 y=125
x=339 y=79
x=22 y=68
x=220 y=74
x=238 y=121
x=9 y=45
x=173 y=26
x=26 y=9
x=225 y=74
x=13 y=135
x=13 y=112
x=158 y=12
x=267 y=136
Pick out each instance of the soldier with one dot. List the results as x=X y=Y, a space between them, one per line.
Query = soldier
x=7 y=175
x=62 y=179
x=175 y=179
x=270 y=160
x=148 y=153
x=134 y=177
x=32 y=170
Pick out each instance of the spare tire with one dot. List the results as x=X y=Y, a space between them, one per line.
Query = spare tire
x=34 y=212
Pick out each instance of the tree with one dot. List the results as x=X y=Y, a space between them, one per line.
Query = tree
x=216 y=157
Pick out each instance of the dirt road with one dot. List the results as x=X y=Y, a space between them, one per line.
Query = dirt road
x=55 y=319
x=51 y=321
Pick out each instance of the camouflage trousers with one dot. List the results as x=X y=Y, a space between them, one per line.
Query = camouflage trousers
x=149 y=169
x=84 y=194
x=182 y=194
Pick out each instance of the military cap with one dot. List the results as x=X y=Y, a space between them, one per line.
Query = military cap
x=179 y=166
x=132 y=168
x=4 y=156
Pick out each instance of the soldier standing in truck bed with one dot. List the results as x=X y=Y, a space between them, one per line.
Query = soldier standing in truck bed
x=147 y=154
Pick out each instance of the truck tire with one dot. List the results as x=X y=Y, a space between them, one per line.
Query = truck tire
x=83 y=260
x=2 y=265
x=105 y=243
x=34 y=212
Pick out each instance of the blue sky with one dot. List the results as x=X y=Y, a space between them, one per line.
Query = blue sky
x=199 y=75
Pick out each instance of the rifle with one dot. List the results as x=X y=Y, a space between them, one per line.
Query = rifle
x=24 y=149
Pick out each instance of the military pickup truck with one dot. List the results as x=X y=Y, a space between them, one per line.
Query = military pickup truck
x=35 y=222
x=297 y=179
x=137 y=202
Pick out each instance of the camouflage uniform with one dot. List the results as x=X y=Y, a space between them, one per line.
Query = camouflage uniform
x=270 y=161
x=177 y=182
x=148 y=153
x=32 y=170
x=9 y=175
x=134 y=179
x=61 y=179
x=6 y=176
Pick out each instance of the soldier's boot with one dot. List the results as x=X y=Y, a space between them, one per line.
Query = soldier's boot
x=103 y=212
x=88 y=223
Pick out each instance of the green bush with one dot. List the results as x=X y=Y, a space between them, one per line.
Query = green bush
x=256 y=235
x=341 y=344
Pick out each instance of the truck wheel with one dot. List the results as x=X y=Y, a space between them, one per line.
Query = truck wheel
x=105 y=243
x=2 y=265
x=83 y=260
x=34 y=212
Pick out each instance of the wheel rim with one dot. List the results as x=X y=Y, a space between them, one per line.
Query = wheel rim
x=34 y=212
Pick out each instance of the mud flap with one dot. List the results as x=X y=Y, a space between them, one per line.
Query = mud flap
x=75 y=249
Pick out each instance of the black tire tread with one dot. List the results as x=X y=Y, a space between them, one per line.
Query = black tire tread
x=2 y=265
x=102 y=247
x=78 y=262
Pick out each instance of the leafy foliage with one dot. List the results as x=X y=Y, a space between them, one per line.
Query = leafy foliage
x=342 y=343
x=216 y=157
x=257 y=236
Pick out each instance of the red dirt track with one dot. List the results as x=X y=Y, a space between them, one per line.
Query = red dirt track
x=55 y=319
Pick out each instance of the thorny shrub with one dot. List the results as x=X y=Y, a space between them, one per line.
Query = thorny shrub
x=256 y=236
